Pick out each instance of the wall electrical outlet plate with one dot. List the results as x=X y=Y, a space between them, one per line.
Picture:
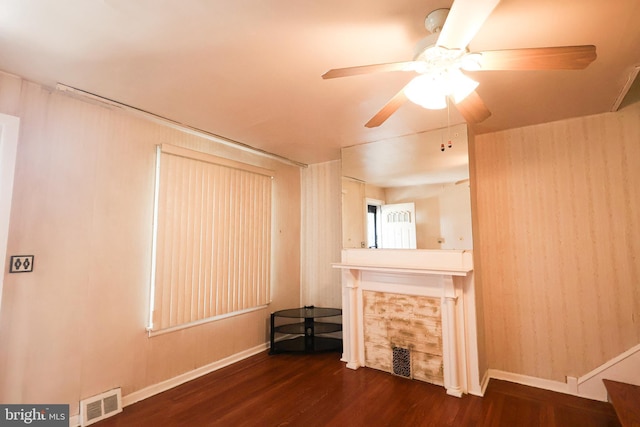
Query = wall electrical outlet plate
x=21 y=264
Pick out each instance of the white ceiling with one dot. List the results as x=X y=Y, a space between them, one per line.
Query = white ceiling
x=249 y=70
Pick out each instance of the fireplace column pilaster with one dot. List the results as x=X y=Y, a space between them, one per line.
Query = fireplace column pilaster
x=350 y=315
x=450 y=339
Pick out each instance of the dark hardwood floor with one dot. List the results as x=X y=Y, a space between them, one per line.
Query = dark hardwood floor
x=318 y=390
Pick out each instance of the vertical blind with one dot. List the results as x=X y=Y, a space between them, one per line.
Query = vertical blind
x=212 y=238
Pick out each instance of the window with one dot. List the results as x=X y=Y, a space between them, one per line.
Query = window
x=212 y=239
x=372 y=225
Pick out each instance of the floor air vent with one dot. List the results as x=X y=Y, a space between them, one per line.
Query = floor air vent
x=401 y=362
x=99 y=407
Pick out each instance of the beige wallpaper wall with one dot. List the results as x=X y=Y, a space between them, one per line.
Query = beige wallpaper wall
x=354 y=226
x=82 y=205
x=321 y=237
x=557 y=239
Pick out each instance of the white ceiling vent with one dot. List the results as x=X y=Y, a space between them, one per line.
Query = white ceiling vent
x=104 y=405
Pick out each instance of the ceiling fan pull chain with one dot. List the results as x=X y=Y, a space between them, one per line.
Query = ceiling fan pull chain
x=449 y=144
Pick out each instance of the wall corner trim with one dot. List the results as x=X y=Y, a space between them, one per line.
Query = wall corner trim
x=624 y=367
x=615 y=361
x=483 y=384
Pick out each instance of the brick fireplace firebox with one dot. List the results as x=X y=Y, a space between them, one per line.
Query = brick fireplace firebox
x=403 y=335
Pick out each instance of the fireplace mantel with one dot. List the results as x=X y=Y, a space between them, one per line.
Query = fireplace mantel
x=445 y=274
x=423 y=261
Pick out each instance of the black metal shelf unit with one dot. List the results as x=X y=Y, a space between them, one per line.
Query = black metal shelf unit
x=297 y=330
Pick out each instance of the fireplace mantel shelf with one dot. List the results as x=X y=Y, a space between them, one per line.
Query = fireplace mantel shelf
x=412 y=261
x=403 y=270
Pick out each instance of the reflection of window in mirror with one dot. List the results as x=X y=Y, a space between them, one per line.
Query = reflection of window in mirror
x=398 y=226
x=373 y=226
x=390 y=226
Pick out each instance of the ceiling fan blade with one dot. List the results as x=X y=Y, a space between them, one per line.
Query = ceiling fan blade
x=540 y=58
x=386 y=111
x=464 y=21
x=473 y=108
x=376 y=68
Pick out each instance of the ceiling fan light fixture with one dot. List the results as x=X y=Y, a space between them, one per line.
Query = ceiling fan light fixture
x=427 y=91
x=432 y=90
x=460 y=86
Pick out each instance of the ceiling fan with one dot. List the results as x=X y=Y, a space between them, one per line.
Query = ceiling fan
x=441 y=57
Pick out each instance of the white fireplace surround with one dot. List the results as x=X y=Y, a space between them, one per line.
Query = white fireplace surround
x=445 y=274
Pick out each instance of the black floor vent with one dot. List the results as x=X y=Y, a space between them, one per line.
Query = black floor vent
x=402 y=362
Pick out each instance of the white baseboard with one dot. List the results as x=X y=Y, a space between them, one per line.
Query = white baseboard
x=146 y=392
x=530 y=381
x=625 y=368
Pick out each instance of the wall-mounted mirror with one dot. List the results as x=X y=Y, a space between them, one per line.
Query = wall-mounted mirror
x=408 y=192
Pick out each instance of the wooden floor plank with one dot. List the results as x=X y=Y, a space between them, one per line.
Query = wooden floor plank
x=626 y=401
x=318 y=390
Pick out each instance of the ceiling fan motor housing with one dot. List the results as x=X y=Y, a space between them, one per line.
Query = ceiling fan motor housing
x=433 y=23
x=435 y=20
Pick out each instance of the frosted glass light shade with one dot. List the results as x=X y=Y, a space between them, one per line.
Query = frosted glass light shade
x=427 y=91
x=460 y=85
x=431 y=90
